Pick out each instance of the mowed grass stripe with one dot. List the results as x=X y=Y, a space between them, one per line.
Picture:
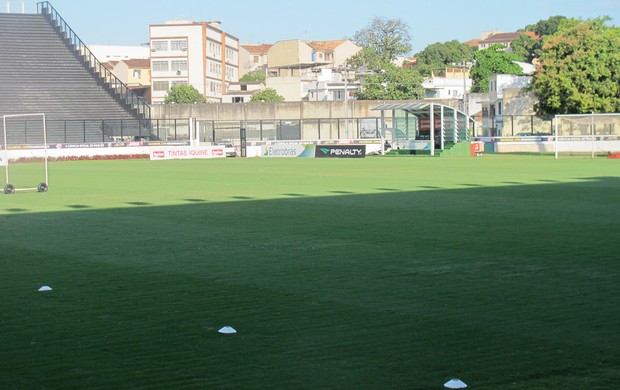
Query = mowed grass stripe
x=345 y=285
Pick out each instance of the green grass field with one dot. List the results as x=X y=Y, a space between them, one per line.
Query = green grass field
x=399 y=273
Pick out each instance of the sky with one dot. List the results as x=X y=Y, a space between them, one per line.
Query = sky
x=116 y=22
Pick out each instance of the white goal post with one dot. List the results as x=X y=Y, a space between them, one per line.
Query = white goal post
x=19 y=132
x=590 y=135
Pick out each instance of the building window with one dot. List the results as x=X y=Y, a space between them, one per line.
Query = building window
x=216 y=68
x=256 y=59
x=231 y=55
x=160 y=66
x=215 y=50
x=159 y=46
x=178 y=45
x=231 y=73
x=237 y=99
x=499 y=108
x=178 y=65
x=176 y=83
x=161 y=85
x=137 y=73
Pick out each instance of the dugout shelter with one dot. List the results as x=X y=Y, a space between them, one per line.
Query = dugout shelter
x=425 y=127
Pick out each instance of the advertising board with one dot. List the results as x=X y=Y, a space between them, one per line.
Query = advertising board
x=340 y=151
x=288 y=151
x=186 y=152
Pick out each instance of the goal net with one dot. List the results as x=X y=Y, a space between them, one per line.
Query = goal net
x=23 y=152
x=587 y=135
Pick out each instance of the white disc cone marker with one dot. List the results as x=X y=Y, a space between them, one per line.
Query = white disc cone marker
x=45 y=288
x=227 y=330
x=455 y=384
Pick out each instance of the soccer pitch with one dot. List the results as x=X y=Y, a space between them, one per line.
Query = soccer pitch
x=502 y=271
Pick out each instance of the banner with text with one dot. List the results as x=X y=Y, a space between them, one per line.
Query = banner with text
x=288 y=150
x=340 y=151
x=187 y=152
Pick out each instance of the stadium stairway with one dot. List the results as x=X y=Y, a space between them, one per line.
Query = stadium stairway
x=42 y=71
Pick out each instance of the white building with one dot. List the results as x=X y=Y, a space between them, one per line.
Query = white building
x=497 y=84
x=331 y=86
x=445 y=88
x=195 y=53
x=453 y=85
x=241 y=92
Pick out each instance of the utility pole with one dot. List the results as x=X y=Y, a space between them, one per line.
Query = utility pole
x=465 y=105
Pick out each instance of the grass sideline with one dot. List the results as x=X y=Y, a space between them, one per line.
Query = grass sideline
x=377 y=273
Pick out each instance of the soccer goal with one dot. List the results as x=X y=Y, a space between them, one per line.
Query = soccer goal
x=23 y=152
x=587 y=135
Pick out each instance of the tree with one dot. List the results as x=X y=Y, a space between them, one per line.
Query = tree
x=254 y=76
x=546 y=27
x=184 y=94
x=579 y=69
x=386 y=38
x=442 y=55
x=392 y=83
x=266 y=95
x=529 y=48
x=367 y=58
x=493 y=60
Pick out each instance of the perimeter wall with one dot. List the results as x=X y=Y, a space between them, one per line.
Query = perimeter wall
x=279 y=111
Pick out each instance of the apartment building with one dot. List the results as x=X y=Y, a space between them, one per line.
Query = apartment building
x=452 y=85
x=253 y=57
x=200 y=54
x=491 y=38
x=297 y=69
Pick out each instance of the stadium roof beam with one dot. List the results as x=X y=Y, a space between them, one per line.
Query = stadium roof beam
x=438 y=118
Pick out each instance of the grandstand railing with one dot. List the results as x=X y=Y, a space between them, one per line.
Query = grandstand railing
x=119 y=88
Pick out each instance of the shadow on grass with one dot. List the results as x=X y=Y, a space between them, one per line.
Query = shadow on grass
x=352 y=291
